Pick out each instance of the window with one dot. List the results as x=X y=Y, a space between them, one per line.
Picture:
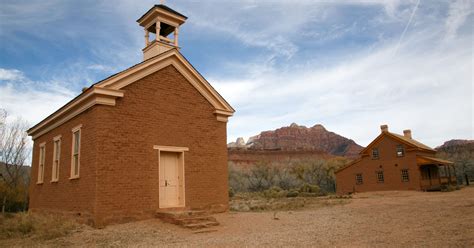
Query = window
x=375 y=153
x=76 y=152
x=42 y=151
x=400 y=151
x=405 y=177
x=56 y=157
x=380 y=178
x=359 y=178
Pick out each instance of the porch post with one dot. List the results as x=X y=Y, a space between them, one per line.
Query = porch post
x=439 y=176
x=454 y=171
x=449 y=175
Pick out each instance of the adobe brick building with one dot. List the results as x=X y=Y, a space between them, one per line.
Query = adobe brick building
x=150 y=137
x=395 y=162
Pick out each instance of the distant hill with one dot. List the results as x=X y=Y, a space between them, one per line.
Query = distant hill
x=455 y=144
x=300 y=138
x=461 y=152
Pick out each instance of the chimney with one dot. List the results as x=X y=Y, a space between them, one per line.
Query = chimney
x=384 y=128
x=407 y=133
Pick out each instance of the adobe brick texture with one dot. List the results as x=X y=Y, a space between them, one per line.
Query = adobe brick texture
x=119 y=167
x=389 y=163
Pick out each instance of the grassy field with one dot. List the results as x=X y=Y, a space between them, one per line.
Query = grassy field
x=377 y=219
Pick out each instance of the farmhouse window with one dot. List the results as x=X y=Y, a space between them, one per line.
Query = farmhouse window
x=375 y=153
x=42 y=151
x=56 y=157
x=405 y=177
x=359 y=179
x=380 y=178
x=76 y=152
x=400 y=151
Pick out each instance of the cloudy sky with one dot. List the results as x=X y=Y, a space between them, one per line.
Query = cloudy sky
x=349 y=65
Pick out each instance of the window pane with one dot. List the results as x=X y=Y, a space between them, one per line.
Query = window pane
x=380 y=178
x=57 y=149
x=359 y=179
x=76 y=164
x=405 y=177
x=76 y=142
x=56 y=170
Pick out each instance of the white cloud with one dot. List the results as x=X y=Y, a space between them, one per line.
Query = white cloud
x=22 y=98
x=458 y=12
x=11 y=75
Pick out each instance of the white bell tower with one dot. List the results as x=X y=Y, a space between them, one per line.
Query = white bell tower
x=163 y=23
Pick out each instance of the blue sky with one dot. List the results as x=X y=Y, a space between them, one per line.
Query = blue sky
x=349 y=65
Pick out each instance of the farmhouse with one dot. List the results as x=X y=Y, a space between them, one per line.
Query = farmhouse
x=148 y=138
x=395 y=162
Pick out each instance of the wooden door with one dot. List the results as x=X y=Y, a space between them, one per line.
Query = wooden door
x=169 y=179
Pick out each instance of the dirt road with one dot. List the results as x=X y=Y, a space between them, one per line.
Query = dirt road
x=380 y=219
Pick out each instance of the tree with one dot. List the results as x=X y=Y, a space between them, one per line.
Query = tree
x=14 y=150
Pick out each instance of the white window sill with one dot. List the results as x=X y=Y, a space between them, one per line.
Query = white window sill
x=39 y=183
x=73 y=178
x=54 y=181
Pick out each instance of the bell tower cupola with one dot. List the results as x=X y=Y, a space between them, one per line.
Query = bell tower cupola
x=161 y=24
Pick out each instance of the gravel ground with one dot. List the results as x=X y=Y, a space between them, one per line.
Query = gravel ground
x=378 y=219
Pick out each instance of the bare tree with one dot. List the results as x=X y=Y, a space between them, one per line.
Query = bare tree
x=14 y=151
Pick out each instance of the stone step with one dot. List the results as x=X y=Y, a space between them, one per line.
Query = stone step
x=201 y=225
x=189 y=219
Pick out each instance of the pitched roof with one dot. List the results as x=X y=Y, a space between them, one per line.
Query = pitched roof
x=423 y=160
x=163 y=7
x=400 y=138
x=412 y=142
x=348 y=165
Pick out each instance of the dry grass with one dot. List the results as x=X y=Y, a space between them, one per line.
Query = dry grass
x=256 y=202
x=35 y=226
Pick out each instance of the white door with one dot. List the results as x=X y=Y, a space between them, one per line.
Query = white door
x=169 y=179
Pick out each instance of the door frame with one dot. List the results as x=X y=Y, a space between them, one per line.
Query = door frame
x=180 y=151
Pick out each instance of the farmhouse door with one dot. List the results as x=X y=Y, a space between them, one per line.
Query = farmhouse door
x=169 y=179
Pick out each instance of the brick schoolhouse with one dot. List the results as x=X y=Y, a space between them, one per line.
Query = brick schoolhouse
x=150 y=137
x=395 y=162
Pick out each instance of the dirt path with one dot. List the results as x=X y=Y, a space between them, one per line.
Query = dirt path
x=382 y=219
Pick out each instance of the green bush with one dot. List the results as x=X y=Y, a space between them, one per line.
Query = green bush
x=292 y=193
x=274 y=192
x=231 y=192
x=309 y=188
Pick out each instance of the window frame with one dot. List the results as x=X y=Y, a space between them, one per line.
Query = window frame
x=41 y=163
x=357 y=177
x=373 y=152
x=73 y=175
x=377 y=174
x=402 y=174
x=56 y=159
x=400 y=148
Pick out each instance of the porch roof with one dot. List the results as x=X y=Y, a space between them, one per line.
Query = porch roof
x=423 y=160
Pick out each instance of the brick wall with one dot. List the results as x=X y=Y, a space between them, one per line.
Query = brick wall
x=389 y=163
x=74 y=196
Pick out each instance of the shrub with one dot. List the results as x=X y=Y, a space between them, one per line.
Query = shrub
x=22 y=225
x=274 y=192
x=309 y=188
x=231 y=192
x=292 y=193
